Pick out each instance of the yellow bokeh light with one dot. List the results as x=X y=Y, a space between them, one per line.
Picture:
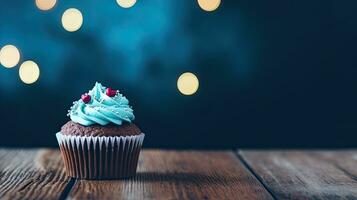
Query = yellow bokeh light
x=45 y=4
x=72 y=19
x=187 y=83
x=29 y=72
x=126 y=3
x=9 y=56
x=209 y=5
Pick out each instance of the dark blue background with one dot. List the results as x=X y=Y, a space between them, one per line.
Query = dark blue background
x=272 y=73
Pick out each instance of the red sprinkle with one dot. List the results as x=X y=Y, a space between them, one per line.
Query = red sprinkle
x=110 y=92
x=86 y=98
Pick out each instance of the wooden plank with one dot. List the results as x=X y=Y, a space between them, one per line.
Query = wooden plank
x=31 y=174
x=179 y=175
x=306 y=174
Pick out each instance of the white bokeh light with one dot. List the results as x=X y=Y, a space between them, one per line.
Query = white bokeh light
x=72 y=19
x=29 y=72
x=126 y=3
x=188 y=83
x=9 y=56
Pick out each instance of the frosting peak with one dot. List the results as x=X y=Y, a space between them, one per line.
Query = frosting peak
x=101 y=108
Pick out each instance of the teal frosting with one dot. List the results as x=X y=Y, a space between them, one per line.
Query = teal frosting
x=101 y=109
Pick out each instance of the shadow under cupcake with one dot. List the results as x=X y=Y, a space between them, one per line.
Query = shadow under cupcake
x=100 y=141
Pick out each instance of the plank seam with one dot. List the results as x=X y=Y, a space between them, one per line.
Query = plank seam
x=353 y=177
x=67 y=189
x=248 y=168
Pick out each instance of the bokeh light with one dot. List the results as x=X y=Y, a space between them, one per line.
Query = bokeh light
x=29 y=72
x=209 y=5
x=126 y=3
x=45 y=4
x=9 y=56
x=187 y=83
x=72 y=19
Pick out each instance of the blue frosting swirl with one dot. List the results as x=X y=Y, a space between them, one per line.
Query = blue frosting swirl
x=101 y=109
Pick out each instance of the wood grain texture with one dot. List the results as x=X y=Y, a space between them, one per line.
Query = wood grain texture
x=179 y=175
x=31 y=174
x=306 y=174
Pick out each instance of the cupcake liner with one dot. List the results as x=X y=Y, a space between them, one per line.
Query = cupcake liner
x=100 y=157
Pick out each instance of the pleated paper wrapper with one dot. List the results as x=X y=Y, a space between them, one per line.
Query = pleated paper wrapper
x=100 y=157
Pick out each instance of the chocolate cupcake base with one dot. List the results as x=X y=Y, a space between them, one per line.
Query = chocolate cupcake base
x=89 y=157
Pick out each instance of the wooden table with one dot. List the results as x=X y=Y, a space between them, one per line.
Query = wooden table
x=168 y=174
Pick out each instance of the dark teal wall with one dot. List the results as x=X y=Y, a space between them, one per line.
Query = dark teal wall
x=272 y=73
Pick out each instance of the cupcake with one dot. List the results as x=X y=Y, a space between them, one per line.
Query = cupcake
x=100 y=141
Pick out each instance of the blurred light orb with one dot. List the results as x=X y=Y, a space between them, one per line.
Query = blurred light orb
x=9 y=56
x=126 y=3
x=45 y=4
x=72 y=19
x=209 y=5
x=29 y=72
x=187 y=83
